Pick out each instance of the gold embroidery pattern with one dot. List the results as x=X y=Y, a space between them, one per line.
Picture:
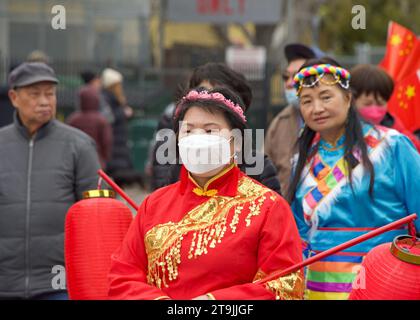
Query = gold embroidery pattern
x=259 y=275
x=254 y=210
x=290 y=287
x=235 y=218
x=208 y=224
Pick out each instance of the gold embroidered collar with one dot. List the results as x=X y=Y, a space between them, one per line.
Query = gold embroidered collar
x=226 y=179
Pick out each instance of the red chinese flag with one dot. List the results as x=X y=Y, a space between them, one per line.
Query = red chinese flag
x=411 y=63
x=405 y=101
x=400 y=55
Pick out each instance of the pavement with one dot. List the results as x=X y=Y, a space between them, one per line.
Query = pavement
x=135 y=192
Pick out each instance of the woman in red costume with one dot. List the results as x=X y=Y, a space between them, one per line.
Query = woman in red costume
x=215 y=231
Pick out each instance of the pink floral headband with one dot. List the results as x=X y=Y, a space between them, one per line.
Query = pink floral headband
x=216 y=96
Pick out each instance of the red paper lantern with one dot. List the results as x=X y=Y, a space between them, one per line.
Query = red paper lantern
x=95 y=228
x=391 y=271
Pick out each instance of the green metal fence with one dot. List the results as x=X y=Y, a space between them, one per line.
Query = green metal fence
x=141 y=137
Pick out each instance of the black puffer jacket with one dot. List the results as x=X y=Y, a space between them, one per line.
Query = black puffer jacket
x=120 y=157
x=6 y=107
x=161 y=174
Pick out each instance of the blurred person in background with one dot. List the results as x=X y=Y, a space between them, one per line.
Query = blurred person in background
x=120 y=165
x=93 y=123
x=283 y=131
x=91 y=78
x=6 y=108
x=372 y=89
x=38 y=56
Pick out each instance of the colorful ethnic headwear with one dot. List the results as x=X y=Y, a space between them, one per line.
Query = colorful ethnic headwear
x=317 y=72
x=194 y=95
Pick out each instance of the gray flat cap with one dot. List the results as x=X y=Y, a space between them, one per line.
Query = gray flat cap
x=29 y=73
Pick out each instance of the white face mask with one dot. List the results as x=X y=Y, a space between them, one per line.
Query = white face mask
x=201 y=153
x=291 y=97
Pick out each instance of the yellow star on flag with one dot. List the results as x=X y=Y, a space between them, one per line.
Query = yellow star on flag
x=396 y=40
x=410 y=91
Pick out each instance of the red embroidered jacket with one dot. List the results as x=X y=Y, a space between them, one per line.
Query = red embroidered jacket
x=188 y=241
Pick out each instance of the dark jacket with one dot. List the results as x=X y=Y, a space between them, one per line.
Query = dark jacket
x=121 y=155
x=40 y=178
x=161 y=173
x=6 y=107
x=93 y=123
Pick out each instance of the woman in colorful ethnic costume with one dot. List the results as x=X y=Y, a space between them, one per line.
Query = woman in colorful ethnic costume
x=350 y=177
x=216 y=231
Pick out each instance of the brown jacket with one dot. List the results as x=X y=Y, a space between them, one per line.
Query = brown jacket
x=280 y=143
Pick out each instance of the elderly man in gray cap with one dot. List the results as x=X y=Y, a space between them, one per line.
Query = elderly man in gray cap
x=45 y=166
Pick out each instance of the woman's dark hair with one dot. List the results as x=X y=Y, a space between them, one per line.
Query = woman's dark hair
x=367 y=78
x=88 y=75
x=353 y=139
x=219 y=74
x=211 y=106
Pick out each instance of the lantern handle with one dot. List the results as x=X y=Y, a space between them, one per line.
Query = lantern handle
x=114 y=186
x=99 y=183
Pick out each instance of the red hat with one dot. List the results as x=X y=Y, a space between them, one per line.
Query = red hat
x=391 y=271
